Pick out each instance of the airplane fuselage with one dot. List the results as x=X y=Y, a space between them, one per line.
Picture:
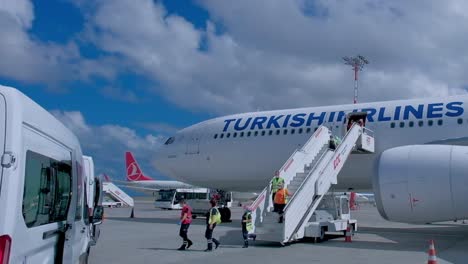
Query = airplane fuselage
x=241 y=152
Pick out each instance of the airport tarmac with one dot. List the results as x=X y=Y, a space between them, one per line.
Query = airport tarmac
x=152 y=237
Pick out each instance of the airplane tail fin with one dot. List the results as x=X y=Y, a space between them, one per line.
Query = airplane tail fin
x=106 y=178
x=134 y=172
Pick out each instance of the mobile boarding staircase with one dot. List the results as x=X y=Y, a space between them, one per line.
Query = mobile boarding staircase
x=308 y=174
x=117 y=194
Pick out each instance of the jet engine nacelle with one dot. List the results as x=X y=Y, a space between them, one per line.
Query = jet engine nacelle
x=422 y=183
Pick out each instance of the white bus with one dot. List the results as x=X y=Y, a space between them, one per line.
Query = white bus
x=42 y=198
x=169 y=199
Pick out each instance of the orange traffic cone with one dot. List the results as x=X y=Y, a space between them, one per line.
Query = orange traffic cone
x=432 y=254
x=348 y=234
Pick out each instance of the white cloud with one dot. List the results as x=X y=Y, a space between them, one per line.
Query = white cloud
x=27 y=59
x=271 y=54
x=277 y=54
x=107 y=144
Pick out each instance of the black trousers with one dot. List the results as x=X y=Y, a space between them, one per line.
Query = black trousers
x=209 y=236
x=246 y=235
x=183 y=232
x=280 y=208
x=273 y=199
x=209 y=232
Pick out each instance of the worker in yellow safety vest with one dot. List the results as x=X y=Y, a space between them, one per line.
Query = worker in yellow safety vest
x=247 y=226
x=281 y=199
x=213 y=217
x=275 y=185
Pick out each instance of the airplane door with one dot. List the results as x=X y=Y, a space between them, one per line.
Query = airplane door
x=193 y=144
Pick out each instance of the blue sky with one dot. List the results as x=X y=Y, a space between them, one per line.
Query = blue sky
x=124 y=75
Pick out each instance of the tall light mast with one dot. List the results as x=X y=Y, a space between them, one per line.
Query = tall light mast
x=357 y=63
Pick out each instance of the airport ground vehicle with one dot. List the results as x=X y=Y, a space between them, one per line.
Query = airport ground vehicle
x=93 y=194
x=113 y=196
x=169 y=198
x=309 y=175
x=332 y=215
x=43 y=213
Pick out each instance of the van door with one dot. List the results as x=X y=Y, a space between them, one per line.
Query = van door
x=2 y=133
x=47 y=200
x=81 y=225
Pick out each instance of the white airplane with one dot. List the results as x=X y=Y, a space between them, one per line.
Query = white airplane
x=418 y=171
x=136 y=179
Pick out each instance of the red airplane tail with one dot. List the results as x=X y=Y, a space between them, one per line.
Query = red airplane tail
x=106 y=178
x=134 y=172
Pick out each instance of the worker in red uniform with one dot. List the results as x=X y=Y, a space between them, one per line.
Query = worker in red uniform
x=185 y=221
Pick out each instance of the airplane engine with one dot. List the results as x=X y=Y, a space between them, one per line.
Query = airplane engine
x=422 y=183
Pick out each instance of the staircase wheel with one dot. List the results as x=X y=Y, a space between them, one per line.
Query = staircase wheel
x=322 y=234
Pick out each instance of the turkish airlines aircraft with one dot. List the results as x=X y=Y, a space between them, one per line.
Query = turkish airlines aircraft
x=418 y=171
x=137 y=180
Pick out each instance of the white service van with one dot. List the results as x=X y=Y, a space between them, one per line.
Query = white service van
x=42 y=209
x=93 y=197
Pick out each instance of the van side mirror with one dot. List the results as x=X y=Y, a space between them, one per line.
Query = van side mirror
x=98 y=215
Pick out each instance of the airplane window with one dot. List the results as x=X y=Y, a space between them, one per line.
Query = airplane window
x=235 y=134
x=430 y=122
x=256 y=133
x=460 y=121
x=315 y=129
x=402 y=124
x=411 y=124
x=440 y=122
x=299 y=131
x=270 y=132
x=308 y=130
x=215 y=136
x=292 y=131
x=169 y=141
x=221 y=136
x=228 y=135
x=277 y=132
x=392 y=125
x=263 y=132
x=421 y=123
x=285 y=132
x=241 y=134
x=248 y=133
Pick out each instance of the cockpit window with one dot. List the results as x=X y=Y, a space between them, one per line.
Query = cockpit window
x=169 y=141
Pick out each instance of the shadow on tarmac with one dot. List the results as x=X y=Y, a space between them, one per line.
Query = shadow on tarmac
x=174 y=249
x=234 y=238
